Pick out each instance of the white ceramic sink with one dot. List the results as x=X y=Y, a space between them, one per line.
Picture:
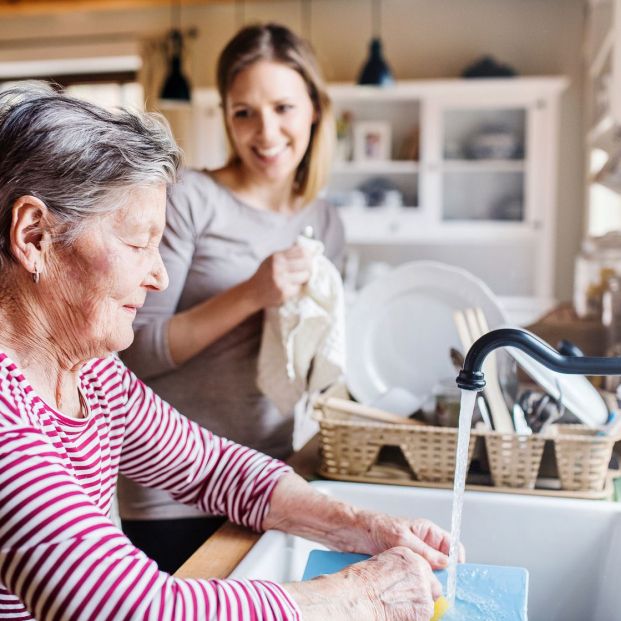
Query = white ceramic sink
x=571 y=548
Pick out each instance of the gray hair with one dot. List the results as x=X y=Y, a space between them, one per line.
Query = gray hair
x=76 y=157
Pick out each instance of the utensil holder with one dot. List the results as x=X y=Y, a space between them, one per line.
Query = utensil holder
x=582 y=456
x=350 y=446
x=514 y=459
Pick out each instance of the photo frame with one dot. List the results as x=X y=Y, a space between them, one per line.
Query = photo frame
x=372 y=141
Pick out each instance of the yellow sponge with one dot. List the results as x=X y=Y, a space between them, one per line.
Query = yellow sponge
x=440 y=607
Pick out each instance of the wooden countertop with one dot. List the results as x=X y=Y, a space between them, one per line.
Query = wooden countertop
x=223 y=551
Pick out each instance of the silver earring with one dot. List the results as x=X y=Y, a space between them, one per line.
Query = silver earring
x=36 y=276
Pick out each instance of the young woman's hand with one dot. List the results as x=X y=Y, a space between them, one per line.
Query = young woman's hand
x=280 y=277
x=396 y=585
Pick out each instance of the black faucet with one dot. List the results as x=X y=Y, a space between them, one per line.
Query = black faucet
x=471 y=377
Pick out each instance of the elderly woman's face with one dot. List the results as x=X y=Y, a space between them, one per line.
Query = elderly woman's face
x=104 y=277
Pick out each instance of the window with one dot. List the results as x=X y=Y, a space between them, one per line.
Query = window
x=107 y=81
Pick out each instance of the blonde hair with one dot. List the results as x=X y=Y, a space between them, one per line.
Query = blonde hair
x=276 y=43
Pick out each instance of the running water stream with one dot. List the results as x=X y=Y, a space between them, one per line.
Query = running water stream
x=468 y=398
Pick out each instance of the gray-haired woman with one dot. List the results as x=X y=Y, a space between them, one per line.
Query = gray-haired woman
x=82 y=202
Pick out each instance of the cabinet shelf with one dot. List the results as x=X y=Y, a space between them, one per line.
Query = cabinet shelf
x=388 y=167
x=483 y=166
x=404 y=225
x=493 y=216
x=406 y=167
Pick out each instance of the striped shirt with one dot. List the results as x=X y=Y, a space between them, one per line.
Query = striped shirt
x=62 y=558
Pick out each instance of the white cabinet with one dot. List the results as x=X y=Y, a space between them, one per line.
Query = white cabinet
x=465 y=171
x=481 y=189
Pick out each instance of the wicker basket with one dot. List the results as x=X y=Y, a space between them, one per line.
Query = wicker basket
x=514 y=459
x=582 y=457
x=350 y=446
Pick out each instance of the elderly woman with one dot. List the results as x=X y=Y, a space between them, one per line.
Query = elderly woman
x=82 y=210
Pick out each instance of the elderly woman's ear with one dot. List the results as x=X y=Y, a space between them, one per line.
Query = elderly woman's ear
x=30 y=233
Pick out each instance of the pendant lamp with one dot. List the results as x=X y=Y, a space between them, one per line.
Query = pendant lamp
x=376 y=70
x=176 y=86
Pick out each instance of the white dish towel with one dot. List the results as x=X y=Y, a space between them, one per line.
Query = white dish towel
x=303 y=343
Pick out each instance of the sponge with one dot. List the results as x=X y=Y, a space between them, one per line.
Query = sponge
x=439 y=608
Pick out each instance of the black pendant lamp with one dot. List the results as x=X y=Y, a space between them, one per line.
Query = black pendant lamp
x=176 y=86
x=376 y=70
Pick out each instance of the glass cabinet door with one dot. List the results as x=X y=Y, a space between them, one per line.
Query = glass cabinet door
x=482 y=166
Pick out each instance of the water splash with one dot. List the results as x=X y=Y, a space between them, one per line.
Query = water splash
x=489 y=593
x=468 y=398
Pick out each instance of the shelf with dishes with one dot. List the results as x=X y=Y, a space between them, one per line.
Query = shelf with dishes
x=482 y=196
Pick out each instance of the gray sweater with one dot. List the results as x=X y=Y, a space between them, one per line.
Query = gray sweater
x=212 y=242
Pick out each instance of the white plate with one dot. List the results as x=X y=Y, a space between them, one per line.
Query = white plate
x=400 y=328
x=578 y=395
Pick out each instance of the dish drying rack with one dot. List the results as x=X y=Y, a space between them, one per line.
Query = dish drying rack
x=352 y=446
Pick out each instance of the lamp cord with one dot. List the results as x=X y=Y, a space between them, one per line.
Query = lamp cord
x=175 y=14
x=376 y=16
x=240 y=13
x=306 y=19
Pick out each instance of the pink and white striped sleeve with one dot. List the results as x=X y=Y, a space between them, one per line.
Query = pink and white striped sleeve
x=62 y=559
x=163 y=449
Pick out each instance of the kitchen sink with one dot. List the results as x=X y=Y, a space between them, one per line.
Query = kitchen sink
x=571 y=548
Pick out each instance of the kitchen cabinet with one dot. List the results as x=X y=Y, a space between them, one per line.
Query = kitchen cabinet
x=478 y=189
x=461 y=171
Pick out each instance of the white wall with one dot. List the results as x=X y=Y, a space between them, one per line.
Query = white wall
x=422 y=39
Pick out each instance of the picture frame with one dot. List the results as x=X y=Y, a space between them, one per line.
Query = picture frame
x=372 y=141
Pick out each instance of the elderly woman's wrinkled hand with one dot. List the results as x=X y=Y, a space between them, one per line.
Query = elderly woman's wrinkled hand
x=377 y=532
x=395 y=585
x=399 y=583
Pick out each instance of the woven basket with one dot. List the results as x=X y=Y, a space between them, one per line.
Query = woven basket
x=582 y=457
x=514 y=459
x=350 y=446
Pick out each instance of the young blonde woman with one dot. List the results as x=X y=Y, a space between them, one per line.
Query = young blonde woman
x=229 y=248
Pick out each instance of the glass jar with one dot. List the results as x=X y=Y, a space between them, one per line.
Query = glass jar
x=598 y=261
x=448 y=403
